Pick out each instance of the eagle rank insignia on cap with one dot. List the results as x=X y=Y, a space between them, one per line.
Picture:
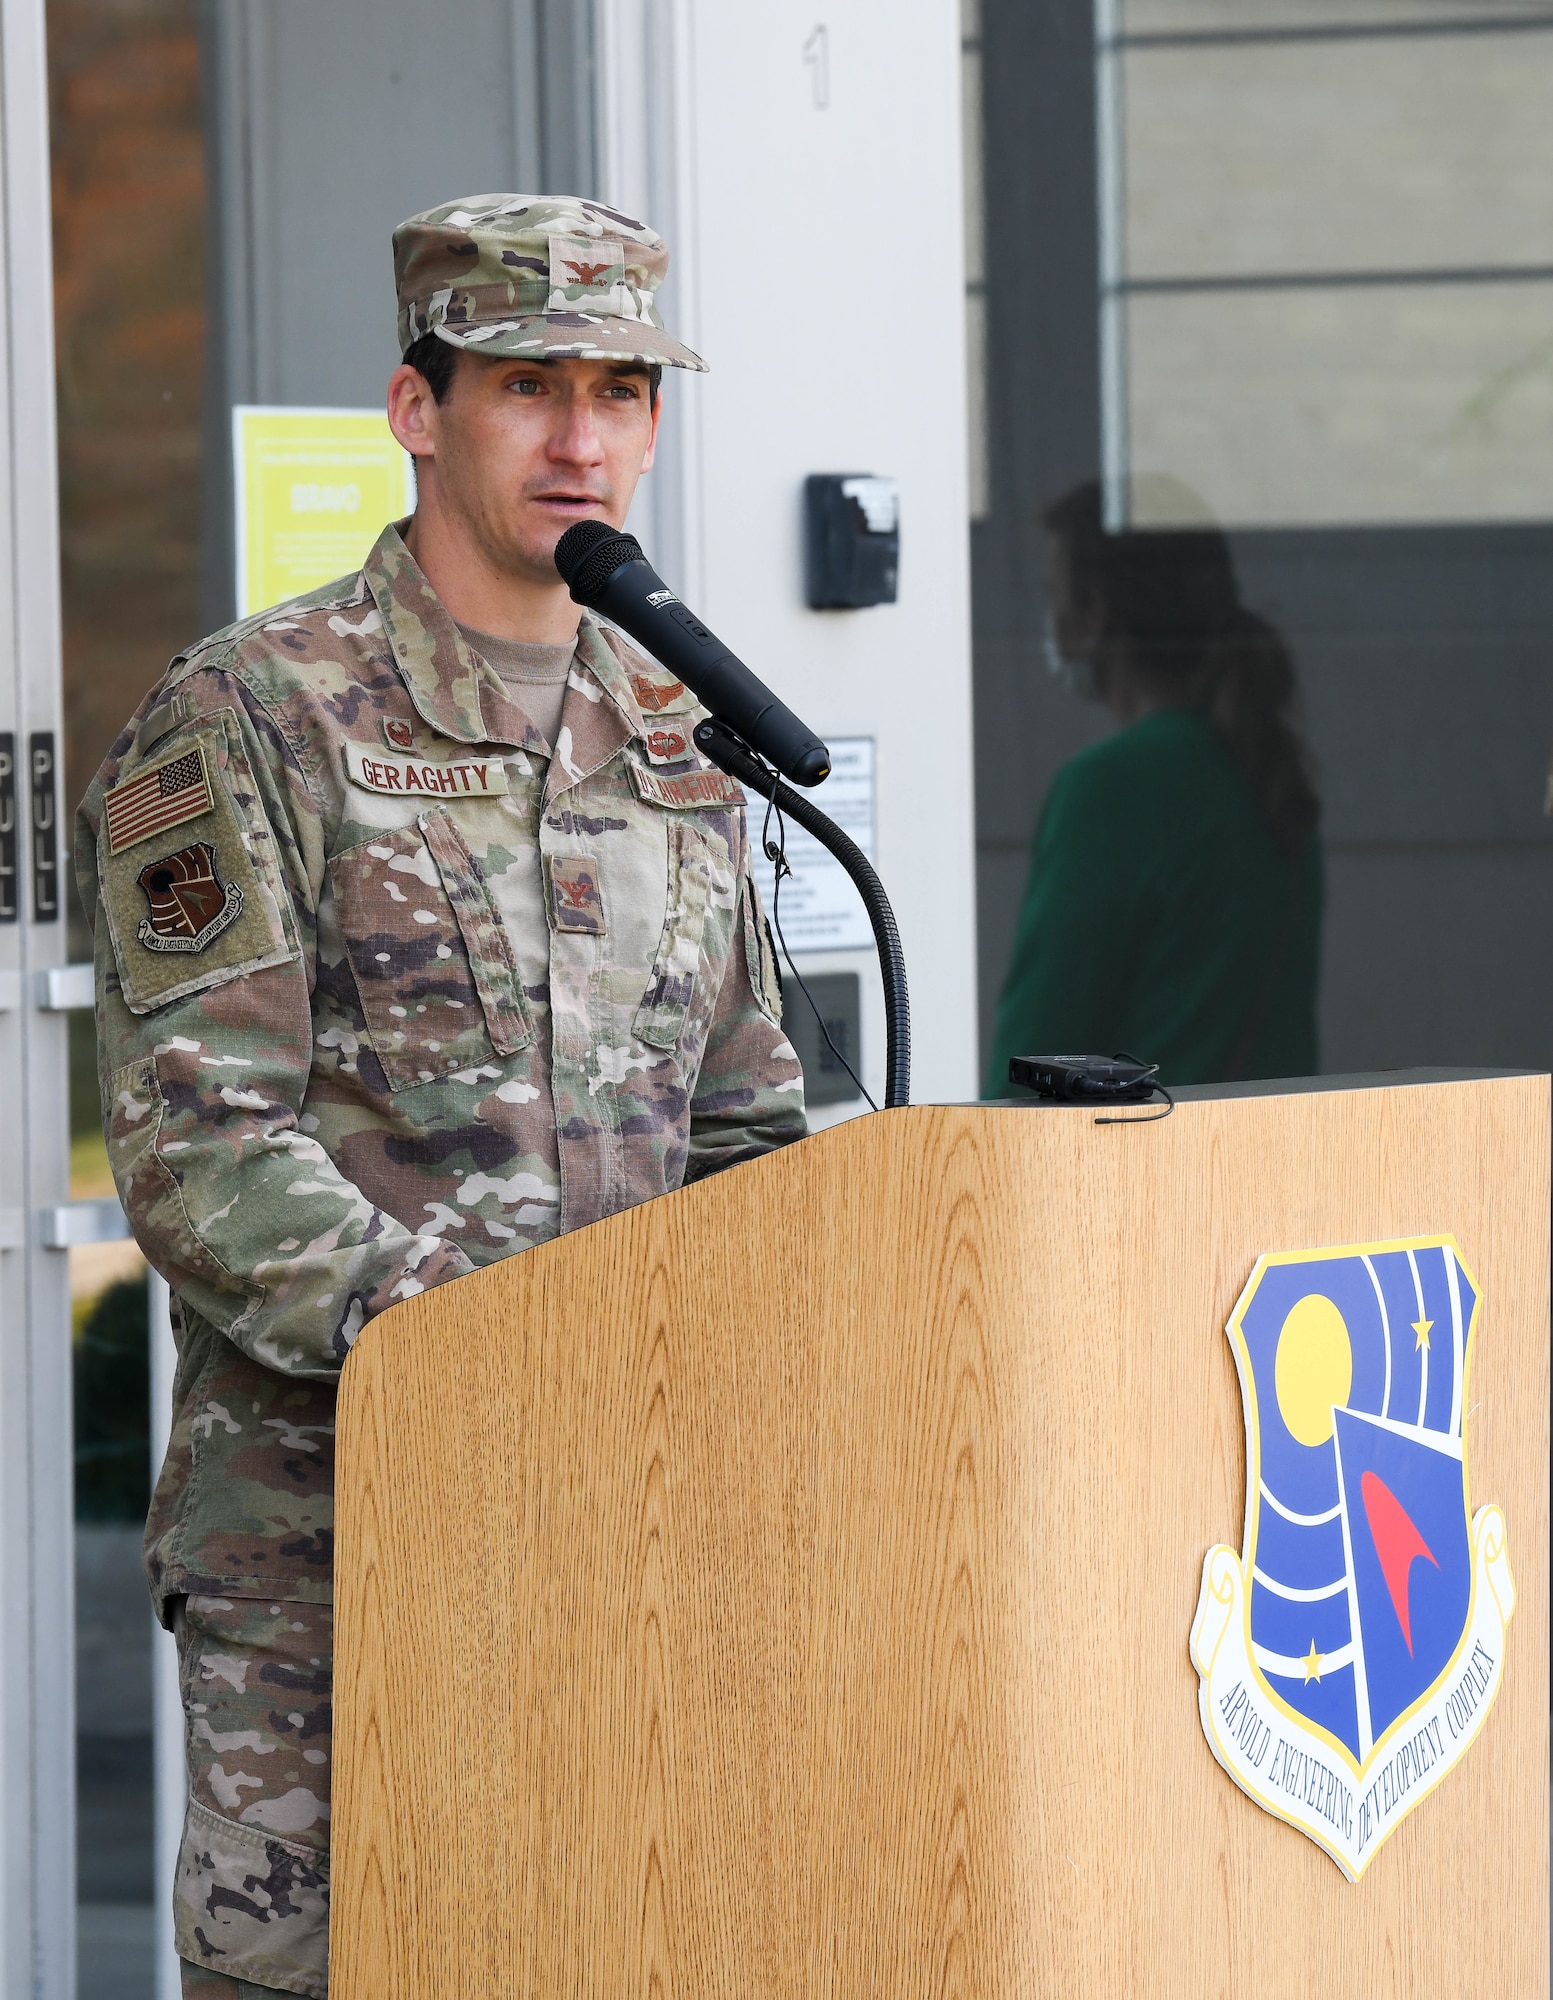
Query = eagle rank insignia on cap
x=1350 y=1654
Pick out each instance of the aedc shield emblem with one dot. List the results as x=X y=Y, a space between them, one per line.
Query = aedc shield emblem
x=1351 y=1653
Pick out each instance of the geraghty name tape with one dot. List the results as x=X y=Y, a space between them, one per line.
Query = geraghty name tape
x=421 y=778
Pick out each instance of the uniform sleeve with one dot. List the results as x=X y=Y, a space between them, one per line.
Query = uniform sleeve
x=205 y=931
x=749 y=1095
x=1068 y=969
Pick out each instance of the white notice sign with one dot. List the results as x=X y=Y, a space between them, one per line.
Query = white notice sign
x=820 y=909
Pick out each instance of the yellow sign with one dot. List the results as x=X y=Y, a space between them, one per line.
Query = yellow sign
x=314 y=490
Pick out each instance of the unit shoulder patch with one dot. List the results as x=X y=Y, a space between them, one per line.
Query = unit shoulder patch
x=190 y=904
x=686 y=790
x=422 y=777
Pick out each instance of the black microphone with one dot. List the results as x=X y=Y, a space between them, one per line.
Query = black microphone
x=604 y=569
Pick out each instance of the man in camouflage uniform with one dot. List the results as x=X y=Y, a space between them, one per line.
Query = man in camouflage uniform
x=395 y=979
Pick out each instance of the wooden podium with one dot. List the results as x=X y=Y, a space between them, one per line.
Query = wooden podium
x=783 y=1588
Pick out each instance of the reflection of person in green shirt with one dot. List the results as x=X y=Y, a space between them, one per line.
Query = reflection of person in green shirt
x=1173 y=907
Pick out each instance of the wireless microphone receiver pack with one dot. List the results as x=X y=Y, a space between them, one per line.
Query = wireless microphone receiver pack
x=605 y=570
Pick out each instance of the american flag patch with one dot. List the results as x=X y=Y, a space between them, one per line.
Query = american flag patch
x=154 y=800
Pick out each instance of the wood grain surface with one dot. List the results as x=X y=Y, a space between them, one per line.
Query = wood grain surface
x=783 y=1588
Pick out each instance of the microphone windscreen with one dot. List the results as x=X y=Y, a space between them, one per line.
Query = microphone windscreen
x=588 y=555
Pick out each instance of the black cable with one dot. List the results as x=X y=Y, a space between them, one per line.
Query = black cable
x=1148 y=1117
x=1145 y=1117
x=776 y=853
x=731 y=754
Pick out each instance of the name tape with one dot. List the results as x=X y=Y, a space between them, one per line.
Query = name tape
x=686 y=790
x=420 y=778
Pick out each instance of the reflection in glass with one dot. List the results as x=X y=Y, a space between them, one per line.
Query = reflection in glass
x=1173 y=905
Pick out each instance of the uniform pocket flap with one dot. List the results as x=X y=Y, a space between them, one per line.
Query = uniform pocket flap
x=252 y=1903
x=430 y=960
x=660 y=1019
x=485 y=938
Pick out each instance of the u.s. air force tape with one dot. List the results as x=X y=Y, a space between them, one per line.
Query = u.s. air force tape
x=687 y=789
x=420 y=778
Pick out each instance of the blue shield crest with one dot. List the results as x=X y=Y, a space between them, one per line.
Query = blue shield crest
x=1357 y=1590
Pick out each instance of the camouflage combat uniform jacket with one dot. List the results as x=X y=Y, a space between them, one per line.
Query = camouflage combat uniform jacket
x=388 y=991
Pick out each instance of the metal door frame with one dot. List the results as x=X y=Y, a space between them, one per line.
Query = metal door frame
x=37 y=1639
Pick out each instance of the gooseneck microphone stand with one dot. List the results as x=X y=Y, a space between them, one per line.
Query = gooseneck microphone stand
x=733 y=755
x=605 y=569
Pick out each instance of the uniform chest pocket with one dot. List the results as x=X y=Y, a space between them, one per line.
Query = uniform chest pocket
x=700 y=883
x=434 y=970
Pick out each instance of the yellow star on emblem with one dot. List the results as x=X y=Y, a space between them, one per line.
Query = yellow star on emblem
x=1421 y=1328
x=1312 y=1664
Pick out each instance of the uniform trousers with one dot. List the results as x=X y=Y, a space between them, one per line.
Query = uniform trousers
x=251 y=1902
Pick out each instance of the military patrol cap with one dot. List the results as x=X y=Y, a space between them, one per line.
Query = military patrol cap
x=535 y=275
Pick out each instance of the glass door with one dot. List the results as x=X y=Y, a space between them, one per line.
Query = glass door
x=1274 y=279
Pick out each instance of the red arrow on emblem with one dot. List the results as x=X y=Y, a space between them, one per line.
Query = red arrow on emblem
x=1397 y=1543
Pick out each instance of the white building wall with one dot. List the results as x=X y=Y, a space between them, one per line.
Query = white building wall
x=813 y=204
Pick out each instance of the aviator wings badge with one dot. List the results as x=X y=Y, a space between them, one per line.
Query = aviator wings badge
x=1350 y=1654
